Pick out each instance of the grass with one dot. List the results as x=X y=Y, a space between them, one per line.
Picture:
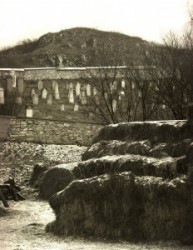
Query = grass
x=38 y=53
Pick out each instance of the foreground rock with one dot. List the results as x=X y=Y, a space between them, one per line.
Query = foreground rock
x=135 y=182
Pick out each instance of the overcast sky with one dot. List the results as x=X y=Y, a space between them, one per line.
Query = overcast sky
x=149 y=19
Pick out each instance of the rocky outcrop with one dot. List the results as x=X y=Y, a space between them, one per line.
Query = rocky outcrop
x=22 y=160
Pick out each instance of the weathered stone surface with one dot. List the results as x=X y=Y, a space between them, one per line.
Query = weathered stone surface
x=20 y=86
x=46 y=131
x=2 y=97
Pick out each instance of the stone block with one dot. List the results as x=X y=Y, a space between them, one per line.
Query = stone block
x=2 y=97
x=20 y=86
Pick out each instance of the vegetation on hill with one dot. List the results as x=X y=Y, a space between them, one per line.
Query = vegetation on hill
x=163 y=91
x=71 y=47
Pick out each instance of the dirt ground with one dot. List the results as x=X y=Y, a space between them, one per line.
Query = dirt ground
x=23 y=225
x=23 y=228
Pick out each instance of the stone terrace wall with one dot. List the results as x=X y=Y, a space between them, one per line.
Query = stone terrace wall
x=66 y=91
x=54 y=73
x=68 y=73
x=52 y=132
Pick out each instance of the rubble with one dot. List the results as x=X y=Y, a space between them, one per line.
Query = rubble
x=17 y=159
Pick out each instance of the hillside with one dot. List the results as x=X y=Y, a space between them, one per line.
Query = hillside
x=75 y=47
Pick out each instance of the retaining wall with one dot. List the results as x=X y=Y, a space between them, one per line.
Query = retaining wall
x=51 y=131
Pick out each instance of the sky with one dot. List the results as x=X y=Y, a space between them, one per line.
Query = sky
x=148 y=19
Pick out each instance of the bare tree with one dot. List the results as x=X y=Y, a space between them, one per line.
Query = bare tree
x=173 y=74
x=104 y=103
x=122 y=93
x=145 y=88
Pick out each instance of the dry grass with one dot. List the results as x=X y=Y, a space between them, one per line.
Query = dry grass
x=114 y=147
x=166 y=131
x=121 y=206
x=121 y=192
x=54 y=180
x=58 y=177
x=139 y=165
x=37 y=175
x=145 y=148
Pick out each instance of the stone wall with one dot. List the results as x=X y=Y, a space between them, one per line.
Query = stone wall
x=52 y=132
x=54 y=73
x=62 y=73
x=74 y=93
x=51 y=93
x=69 y=73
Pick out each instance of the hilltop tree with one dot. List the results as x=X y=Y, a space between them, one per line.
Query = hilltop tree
x=174 y=62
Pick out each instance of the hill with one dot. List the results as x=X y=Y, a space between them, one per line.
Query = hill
x=74 y=47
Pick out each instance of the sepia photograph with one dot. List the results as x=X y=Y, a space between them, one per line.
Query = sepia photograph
x=96 y=124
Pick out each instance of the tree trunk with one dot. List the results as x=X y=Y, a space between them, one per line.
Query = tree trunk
x=190 y=112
